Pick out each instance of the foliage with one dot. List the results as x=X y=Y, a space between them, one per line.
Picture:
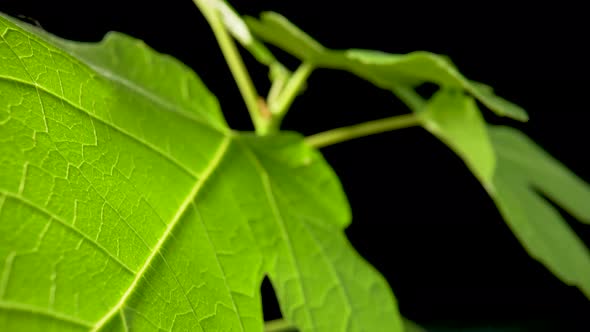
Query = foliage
x=507 y=163
x=128 y=204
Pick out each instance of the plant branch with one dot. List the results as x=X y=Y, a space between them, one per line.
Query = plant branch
x=409 y=97
x=235 y=64
x=279 y=325
x=283 y=93
x=279 y=76
x=291 y=89
x=343 y=134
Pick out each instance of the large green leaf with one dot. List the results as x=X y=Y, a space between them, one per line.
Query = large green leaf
x=383 y=69
x=127 y=204
x=522 y=170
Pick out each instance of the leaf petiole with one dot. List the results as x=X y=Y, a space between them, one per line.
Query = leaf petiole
x=291 y=89
x=409 y=96
x=285 y=92
x=235 y=63
x=343 y=134
x=279 y=76
x=224 y=22
x=279 y=325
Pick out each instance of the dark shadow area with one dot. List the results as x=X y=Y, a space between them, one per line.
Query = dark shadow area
x=270 y=304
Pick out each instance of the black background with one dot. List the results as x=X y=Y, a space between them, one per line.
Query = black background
x=419 y=216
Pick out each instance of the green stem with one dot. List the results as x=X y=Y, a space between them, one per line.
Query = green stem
x=343 y=134
x=235 y=64
x=279 y=325
x=279 y=77
x=409 y=97
x=290 y=92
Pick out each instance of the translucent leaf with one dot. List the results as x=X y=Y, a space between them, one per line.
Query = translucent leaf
x=455 y=119
x=383 y=69
x=277 y=30
x=521 y=170
x=127 y=204
x=545 y=173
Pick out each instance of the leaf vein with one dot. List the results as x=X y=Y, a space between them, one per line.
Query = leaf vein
x=93 y=69
x=282 y=226
x=141 y=141
x=330 y=264
x=215 y=251
x=215 y=161
x=6 y=273
x=69 y=227
x=13 y=306
x=30 y=76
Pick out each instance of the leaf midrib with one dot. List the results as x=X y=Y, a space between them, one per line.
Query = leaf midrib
x=141 y=141
x=108 y=75
x=133 y=88
x=267 y=185
x=211 y=167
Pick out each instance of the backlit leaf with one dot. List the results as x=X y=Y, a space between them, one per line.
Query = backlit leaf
x=515 y=171
x=127 y=204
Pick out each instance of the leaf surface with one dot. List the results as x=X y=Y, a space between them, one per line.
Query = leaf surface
x=127 y=204
x=382 y=69
x=455 y=119
x=522 y=171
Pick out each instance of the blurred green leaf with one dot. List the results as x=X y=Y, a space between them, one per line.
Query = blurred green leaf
x=382 y=69
x=523 y=171
x=514 y=171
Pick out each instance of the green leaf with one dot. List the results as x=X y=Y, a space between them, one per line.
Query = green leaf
x=277 y=30
x=520 y=172
x=524 y=170
x=127 y=204
x=455 y=119
x=382 y=69
x=544 y=172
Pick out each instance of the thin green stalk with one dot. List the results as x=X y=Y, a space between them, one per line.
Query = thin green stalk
x=343 y=134
x=279 y=77
x=279 y=325
x=409 y=97
x=290 y=91
x=235 y=64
